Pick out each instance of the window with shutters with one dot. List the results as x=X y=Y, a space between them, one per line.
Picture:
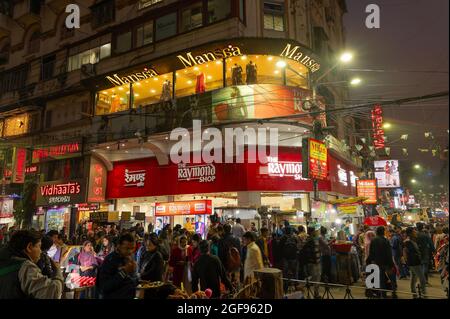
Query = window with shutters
x=274 y=16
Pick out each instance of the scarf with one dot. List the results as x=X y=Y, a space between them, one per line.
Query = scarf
x=87 y=259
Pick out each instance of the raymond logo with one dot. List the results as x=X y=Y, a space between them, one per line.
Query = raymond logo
x=282 y=169
x=202 y=173
x=135 y=178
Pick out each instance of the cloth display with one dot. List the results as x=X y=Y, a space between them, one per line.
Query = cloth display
x=201 y=84
x=252 y=73
x=166 y=94
x=236 y=75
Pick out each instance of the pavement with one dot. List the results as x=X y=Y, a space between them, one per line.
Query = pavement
x=434 y=290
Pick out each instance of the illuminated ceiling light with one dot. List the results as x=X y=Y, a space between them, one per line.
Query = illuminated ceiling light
x=128 y=92
x=281 y=64
x=108 y=147
x=147 y=82
x=106 y=93
x=153 y=91
x=138 y=84
x=244 y=57
x=346 y=57
x=270 y=58
x=123 y=144
x=136 y=95
x=120 y=88
x=185 y=71
x=209 y=77
x=218 y=62
x=196 y=68
x=277 y=72
x=189 y=82
x=155 y=79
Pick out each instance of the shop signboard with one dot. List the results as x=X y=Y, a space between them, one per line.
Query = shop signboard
x=88 y=207
x=387 y=173
x=61 y=151
x=199 y=207
x=113 y=217
x=377 y=124
x=61 y=193
x=97 y=182
x=19 y=161
x=55 y=219
x=368 y=189
x=204 y=173
x=99 y=217
x=315 y=159
x=347 y=209
x=125 y=216
x=139 y=216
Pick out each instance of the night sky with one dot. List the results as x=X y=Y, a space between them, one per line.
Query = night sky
x=413 y=37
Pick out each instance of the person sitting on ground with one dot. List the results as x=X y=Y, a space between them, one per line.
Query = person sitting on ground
x=20 y=277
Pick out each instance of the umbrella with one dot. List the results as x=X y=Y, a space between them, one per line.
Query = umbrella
x=375 y=221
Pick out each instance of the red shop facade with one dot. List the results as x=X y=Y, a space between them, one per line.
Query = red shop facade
x=144 y=183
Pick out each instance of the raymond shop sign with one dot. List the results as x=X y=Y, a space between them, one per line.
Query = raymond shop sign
x=367 y=189
x=61 y=193
x=199 y=207
x=201 y=173
x=97 y=182
x=315 y=159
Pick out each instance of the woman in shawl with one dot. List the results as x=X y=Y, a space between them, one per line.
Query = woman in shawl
x=179 y=262
x=88 y=261
x=367 y=239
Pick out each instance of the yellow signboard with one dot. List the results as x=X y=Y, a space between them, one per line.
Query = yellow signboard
x=348 y=209
x=318 y=150
x=113 y=217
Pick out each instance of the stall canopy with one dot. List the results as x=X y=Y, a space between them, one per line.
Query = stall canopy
x=375 y=221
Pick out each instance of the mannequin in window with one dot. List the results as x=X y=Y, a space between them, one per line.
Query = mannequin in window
x=201 y=84
x=237 y=110
x=166 y=95
x=252 y=73
x=236 y=74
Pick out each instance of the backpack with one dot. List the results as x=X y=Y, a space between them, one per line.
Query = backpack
x=290 y=248
x=233 y=259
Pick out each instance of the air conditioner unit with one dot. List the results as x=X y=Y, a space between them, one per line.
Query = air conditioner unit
x=88 y=69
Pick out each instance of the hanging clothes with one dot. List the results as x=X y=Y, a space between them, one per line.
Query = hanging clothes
x=252 y=73
x=115 y=103
x=166 y=94
x=201 y=84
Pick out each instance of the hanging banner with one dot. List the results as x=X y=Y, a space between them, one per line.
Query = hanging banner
x=199 y=207
x=19 y=161
x=97 y=182
x=377 y=125
x=368 y=189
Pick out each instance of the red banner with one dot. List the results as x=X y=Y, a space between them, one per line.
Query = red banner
x=20 y=158
x=145 y=177
x=199 y=207
x=377 y=124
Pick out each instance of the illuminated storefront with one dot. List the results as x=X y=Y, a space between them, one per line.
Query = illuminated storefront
x=249 y=67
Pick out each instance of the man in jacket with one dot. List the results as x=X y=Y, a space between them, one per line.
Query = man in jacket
x=253 y=259
x=117 y=275
x=263 y=244
x=413 y=258
x=397 y=250
x=289 y=247
x=20 y=277
x=426 y=248
x=209 y=271
x=311 y=254
x=380 y=253
x=225 y=244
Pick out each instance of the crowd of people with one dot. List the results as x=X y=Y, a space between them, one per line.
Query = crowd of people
x=31 y=261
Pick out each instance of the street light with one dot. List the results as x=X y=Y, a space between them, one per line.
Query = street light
x=417 y=166
x=414 y=181
x=355 y=81
x=387 y=125
x=346 y=57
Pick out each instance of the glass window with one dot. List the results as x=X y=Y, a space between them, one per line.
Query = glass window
x=218 y=10
x=144 y=34
x=153 y=90
x=123 y=42
x=103 y=13
x=166 y=26
x=273 y=16
x=192 y=17
x=17 y=125
x=253 y=69
x=113 y=100
x=105 y=51
x=199 y=79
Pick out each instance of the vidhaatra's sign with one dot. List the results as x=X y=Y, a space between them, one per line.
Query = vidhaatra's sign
x=61 y=193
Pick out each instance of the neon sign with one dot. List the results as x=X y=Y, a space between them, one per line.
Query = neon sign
x=55 y=151
x=189 y=60
x=61 y=189
x=282 y=169
x=377 y=124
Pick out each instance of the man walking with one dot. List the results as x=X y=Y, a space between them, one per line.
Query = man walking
x=413 y=258
x=311 y=253
x=289 y=247
x=209 y=271
x=238 y=229
x=380 y=253
x=397 y=250
x=426 y=248
x=253 y=259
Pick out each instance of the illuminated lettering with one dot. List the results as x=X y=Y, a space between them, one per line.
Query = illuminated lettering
x=190 y=60
x=294 y=53
x=132 y=78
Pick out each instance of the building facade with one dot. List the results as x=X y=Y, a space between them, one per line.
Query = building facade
x=94 y=106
